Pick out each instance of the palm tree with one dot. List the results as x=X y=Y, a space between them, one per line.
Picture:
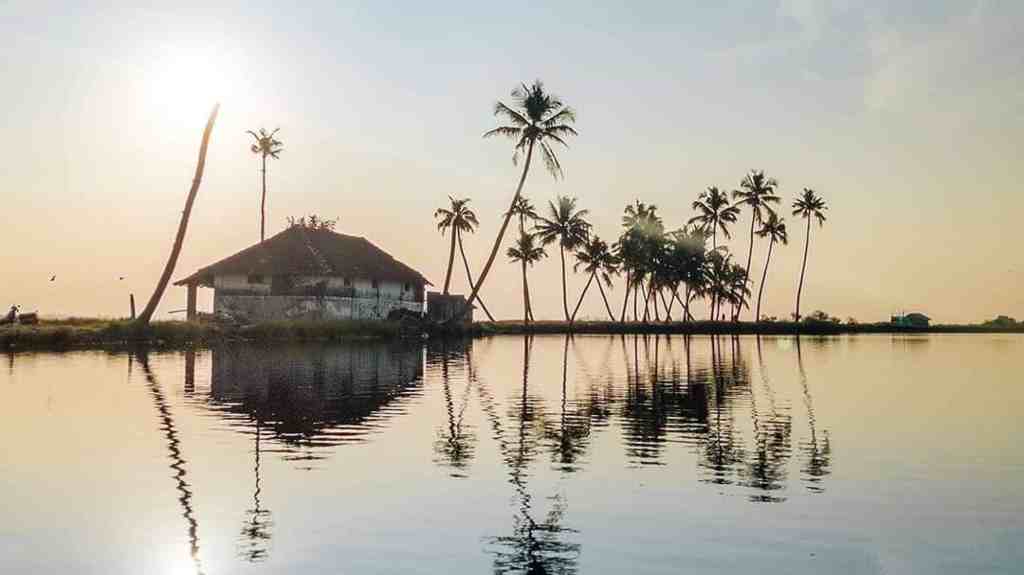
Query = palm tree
x=715 y=213
x=808 y=205
x=643 y=232
x=537 y=119
x=523 y=209
x=597 y=260
x=775 y=230
x=567 y=226
x=758 y=192
x=528 y=253
x=179 y=239
x=460 y=218
x=266 y=146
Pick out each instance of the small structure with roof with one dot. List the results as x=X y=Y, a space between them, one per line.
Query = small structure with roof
x=308 y=273
x=912 y=319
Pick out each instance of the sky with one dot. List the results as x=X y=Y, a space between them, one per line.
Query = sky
x=905 y=116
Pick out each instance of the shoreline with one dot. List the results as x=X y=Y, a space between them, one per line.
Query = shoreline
x=78 y=333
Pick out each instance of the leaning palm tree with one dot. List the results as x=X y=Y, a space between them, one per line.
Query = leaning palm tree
x=599 y=262
x=808 y=205
x=179 y=239
x=537 y=119
x=568 y=226
x=775 y=230
x=460 y=218
x=528 y=253
x=715 y=213
x=265 y=146
x=757 y=192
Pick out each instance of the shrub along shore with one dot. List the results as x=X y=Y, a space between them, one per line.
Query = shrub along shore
x=103 y=333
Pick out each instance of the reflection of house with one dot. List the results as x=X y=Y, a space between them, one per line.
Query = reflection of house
x=306 y=391
x=911 y=320
x=309 y=273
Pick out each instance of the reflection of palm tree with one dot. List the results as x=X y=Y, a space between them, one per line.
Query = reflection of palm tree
x=454 y=446
x=569 y=442
x=767 y=471
x=721 y=453
x=256 y=531
x=177 y=460
x=818 y=452
x=534 y=546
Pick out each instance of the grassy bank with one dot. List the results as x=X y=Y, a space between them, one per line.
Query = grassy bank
x=725 y=328
x=87 y=332
x=98 y=333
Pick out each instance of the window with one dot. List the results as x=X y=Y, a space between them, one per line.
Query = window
x=407 y=287
x=254 y=279
x=348 y=282
x=375 y=284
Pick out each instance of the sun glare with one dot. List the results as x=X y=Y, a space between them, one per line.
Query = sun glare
x=183 y=82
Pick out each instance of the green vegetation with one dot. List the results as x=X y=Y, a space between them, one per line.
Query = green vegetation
x=86 y=332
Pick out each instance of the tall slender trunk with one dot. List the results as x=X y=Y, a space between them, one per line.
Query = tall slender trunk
x=565 y=294
x=451 y=264
x=803 y=268
x=526 y=292
x=583 y=293
x=636 y=296
x=764 y=276
x=179 y=239
x=750 y=255
x=526 y=297
x=625 y=301
x=263 y=202
x=469 y=276
x=501 y=235
x=600 y=288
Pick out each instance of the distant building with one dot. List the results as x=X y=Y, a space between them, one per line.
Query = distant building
x=911 y=320
x=309 y=273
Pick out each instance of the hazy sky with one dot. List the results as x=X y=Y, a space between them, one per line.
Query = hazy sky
x=906 y=116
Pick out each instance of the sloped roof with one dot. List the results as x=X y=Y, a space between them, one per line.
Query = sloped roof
x=303 y=251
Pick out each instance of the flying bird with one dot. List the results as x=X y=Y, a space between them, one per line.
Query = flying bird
x=53 y=278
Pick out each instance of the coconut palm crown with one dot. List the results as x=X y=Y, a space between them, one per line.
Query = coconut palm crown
x=714 y=213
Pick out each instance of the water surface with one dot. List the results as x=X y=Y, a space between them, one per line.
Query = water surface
x=592 y=454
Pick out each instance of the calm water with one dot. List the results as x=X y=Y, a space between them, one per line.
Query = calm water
x=871 y=454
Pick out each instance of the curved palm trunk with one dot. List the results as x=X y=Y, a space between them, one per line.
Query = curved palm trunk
x=764 y=276
x=803 y=268
x=625 y=301
x=263 y=201
x=469 y=276
x=600 y=288
x=179 y=239
x=583 y=293
x=497 y=240
x=565 y=295
x=451 y=262
x=750 y=256
x=668 y=306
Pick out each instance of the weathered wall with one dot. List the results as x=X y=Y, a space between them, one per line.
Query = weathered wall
x=278 y=307
x=316 y=285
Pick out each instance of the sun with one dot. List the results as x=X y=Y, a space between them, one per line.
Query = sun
x=184 y=82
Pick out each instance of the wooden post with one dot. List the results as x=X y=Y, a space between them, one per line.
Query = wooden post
x=190 y=307
x=131 y=300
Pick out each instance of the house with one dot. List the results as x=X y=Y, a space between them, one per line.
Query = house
x=911 y=320
x=308 y=273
